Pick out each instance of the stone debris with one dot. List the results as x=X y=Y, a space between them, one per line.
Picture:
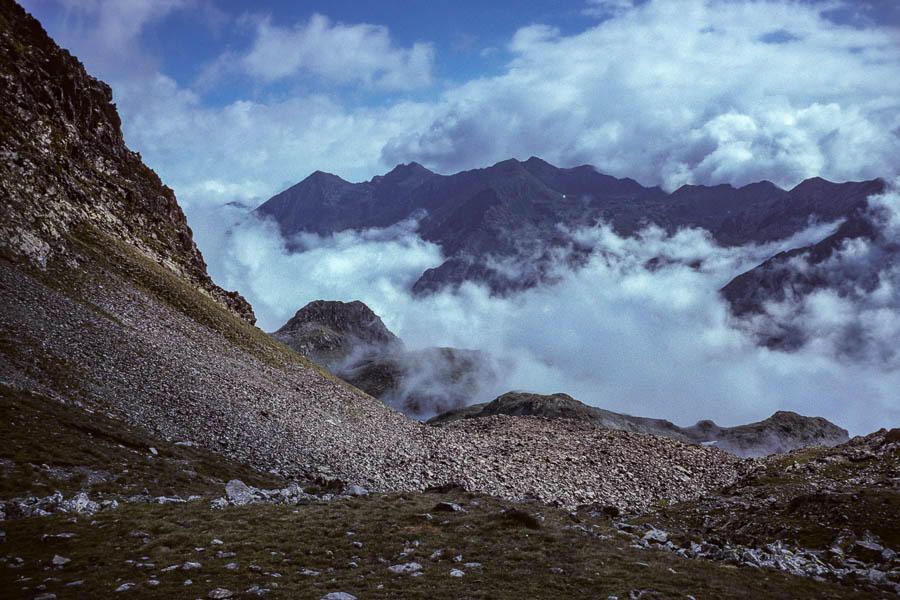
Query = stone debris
x=237 y=493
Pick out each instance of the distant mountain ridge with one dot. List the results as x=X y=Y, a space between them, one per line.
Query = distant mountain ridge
x=509 y=227
x=519 y=210
x=782 y=432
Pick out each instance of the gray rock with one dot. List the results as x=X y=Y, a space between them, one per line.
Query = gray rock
x=238 y=492
x=220 y=593
x=46 y=596
x=410 y=567
x=448 y=507
x=338 y=596
x=191 y=565
x=55 y=536
x=124 y=587
x=60 y=560
x=656 y=535
x=868 y=551
x=218 y=503
x=457 y=573
x=357 y=490
x=80 y=504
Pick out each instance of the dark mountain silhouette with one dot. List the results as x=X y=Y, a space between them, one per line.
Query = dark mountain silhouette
x=519 y=212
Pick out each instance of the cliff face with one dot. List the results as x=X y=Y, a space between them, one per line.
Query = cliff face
x=64 y=166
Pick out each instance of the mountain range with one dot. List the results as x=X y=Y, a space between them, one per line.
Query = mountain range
x=522 y=215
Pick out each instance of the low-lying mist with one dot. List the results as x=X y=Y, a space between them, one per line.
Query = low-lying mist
x=625 y=332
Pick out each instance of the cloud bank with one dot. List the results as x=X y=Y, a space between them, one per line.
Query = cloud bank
x=682 y=92
x=646 y=338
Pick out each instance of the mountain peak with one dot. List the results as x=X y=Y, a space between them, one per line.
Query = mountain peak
x=323 y=176
x=813 y=183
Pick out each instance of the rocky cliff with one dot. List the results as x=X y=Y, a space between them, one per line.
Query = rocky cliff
x=65 y=168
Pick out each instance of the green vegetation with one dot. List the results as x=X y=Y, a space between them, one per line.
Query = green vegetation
x=49 y=445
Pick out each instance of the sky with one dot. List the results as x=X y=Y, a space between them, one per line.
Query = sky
x=231 y=102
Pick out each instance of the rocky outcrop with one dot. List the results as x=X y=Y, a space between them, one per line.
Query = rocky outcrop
x=330 y=331
x=782 y=432
x=352 y=342
x=64 y=166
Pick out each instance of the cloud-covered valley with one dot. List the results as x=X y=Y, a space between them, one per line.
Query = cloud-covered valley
x=624 y=332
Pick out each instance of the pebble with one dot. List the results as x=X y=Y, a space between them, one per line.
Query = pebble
x=457 y=573
x=124 y=587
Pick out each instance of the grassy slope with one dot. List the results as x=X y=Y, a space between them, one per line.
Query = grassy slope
x=516 y=560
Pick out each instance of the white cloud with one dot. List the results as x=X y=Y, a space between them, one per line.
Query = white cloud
x=607 y=8
x=334 y=52
x=250 y=150
x=684 y=92
x=104 y=33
